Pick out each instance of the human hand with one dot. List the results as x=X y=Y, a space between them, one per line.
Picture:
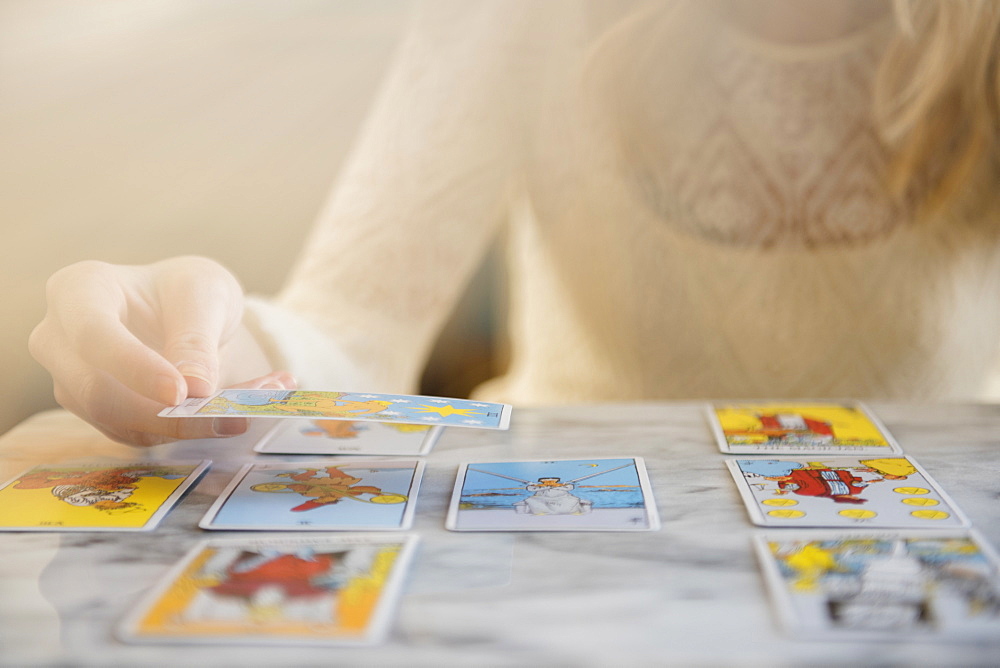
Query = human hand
x=121 y=342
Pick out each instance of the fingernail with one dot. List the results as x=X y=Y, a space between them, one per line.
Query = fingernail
x=191 y=369
x=273 y=385
x=167 y=391
x=229 y=426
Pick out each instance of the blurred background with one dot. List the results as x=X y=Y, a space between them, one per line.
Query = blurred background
x=133 y=130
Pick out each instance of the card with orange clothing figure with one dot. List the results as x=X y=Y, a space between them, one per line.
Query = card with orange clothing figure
x=847 y=428
x=347 y=437
x=293 y=591
x=319 y=496
x=360 y=406
x=856 y=492
x=102 y=496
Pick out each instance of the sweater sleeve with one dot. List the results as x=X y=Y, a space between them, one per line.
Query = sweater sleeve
x=414 y=210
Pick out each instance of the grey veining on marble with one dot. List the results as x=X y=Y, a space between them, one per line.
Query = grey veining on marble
x=689 y=594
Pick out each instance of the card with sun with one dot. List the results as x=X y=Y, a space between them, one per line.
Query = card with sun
x=358 y=406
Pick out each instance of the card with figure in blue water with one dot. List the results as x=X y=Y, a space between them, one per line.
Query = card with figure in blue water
x=553 y=495
x=319 y=496
x=361 y=406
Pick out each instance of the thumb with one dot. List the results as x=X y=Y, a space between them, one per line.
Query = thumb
x=201 y=305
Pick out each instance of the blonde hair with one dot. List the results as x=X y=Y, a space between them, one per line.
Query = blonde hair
x=935 y=106
x=937 y=100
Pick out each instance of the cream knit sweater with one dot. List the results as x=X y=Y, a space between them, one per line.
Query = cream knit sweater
x=760 y=260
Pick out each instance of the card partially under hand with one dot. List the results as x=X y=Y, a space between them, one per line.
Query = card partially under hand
x=800 y=428
x=884 y=492
x=347 y=437
x=367 y=407
x=320 y=496
x=98 y=496
x=309 y=591
x=880 y=585
x=558 y=495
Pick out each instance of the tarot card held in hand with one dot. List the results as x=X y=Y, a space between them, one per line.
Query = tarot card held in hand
x=800 y=428
x=306 y=591
x=100 y=496
x=882 y=493
x=882 y=584
x=346 y=437
x=363 y=407
x=558 y=495
x=318 y=496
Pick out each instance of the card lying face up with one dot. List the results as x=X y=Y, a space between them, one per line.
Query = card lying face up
x=347 y=437
x=885 y=493
x=101 y=496
x=800 y=428
x=295 y=496
x=882 y=585
x=303 y=591
x=364 y=407
x=559 y=495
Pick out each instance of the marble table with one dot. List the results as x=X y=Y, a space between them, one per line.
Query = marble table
x=688 y=594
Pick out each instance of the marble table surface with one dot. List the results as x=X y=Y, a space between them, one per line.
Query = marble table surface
x=688 y=594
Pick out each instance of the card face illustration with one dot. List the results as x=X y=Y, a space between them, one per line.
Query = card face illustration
x=298 y=496
x=362 y=407
x=347 y=437
x=881 y=585
x=322 y=591
x=558 y=495
x=800 y=428
x=884 y=492
x=102 y=496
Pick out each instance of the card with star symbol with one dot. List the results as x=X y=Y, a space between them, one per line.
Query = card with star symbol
x=357 y=406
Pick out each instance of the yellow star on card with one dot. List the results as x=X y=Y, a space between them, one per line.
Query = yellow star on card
x=446 y=411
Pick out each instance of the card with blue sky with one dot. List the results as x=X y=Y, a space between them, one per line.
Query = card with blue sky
x=318 y=496
x=553 y=495
x=361 y=406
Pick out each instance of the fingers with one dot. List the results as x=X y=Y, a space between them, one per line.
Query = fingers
x=201 y=304
x=87 y=303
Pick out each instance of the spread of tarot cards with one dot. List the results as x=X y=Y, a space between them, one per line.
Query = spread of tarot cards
x=362 y=407
x=303 y=591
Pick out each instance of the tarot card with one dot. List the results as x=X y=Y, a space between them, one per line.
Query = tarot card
x=879 y=585
x=99 y=496
x=800 y=428
x=307 y=591
x=881 y=493
x=346 y=437
x=362 y=407
x=558 y=495
x=321 y=496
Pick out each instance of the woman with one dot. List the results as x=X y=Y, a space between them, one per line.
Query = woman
x=735 y=198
